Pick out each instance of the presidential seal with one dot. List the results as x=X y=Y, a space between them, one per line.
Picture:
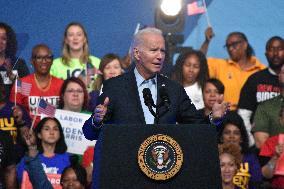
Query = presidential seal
x=160 y=157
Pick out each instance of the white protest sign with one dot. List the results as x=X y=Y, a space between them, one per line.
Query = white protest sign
x=72 y=123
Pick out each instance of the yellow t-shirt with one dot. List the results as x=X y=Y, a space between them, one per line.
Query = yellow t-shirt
x=232 y=76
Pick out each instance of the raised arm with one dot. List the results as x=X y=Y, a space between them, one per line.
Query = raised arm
x=92 y=126
x=34 y=168
x=209 y=34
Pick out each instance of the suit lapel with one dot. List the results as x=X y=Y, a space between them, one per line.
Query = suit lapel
x=134 y=96
x=160 y=81
x=161 y=110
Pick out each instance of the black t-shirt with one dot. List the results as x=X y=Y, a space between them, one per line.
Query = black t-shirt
x=7 y=154
x=259 y=87
x=20 y=68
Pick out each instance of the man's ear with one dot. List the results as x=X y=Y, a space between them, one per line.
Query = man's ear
x=136 y=53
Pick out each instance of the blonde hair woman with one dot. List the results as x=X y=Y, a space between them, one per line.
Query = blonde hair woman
x=75 y=60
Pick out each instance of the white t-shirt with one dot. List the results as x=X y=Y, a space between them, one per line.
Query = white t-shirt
x=194 y=92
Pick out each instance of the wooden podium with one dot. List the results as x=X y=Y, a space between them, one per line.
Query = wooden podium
x=116 y=154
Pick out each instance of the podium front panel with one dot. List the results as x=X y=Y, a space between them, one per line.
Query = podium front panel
x=119 y=168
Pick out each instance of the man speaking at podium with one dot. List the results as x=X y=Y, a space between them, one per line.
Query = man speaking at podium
x=143 y=96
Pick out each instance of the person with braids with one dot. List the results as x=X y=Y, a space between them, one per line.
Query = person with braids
x=10 y=65
x=235 y=70
x=191 y=71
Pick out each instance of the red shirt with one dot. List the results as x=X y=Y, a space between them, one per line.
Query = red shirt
x=268 y=150
x=88 y=156
x=50 y=94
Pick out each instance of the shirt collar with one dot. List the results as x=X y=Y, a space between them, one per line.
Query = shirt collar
x=253 y=59
x=140 y=79
x=272 y=71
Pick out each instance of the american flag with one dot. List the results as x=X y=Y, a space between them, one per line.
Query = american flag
x=92 y=70
x=46 y=108
x=23 y=87
x=196 y=7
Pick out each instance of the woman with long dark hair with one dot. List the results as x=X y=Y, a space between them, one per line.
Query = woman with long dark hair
x=51 y=148
x=10 y=65
x=191 y=71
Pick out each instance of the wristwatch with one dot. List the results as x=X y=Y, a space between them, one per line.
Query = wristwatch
x=271 y=165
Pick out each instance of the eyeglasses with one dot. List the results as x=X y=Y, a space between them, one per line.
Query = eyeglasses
x=233 y=44
x=74 y=91
x=47 y=58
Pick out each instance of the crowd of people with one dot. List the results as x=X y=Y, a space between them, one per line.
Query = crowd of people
x=34 y=148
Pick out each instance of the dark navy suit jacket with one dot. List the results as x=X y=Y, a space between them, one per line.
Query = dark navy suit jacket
x=125 y=108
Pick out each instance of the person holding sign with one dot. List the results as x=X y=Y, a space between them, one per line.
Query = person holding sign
x=52 y=154
x=73 y=95
x=73 y=98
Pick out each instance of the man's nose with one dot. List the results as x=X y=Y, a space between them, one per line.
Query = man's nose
x=160 y=55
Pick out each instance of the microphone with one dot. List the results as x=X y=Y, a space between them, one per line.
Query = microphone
x=164 y=96
x=148 y=100
x=147 y=95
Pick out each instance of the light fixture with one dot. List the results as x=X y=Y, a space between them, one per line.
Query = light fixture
x=170 y=17
x=171 y=7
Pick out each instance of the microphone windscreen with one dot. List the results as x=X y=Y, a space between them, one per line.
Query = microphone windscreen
x=147 y=95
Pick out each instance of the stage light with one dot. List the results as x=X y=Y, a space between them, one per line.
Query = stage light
x=171 y=7
x=170 y=17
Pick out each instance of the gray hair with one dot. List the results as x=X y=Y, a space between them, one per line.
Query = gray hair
x=138 y=40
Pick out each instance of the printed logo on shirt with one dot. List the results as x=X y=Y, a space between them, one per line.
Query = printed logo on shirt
x=241 y=179
x=74 y=73
x=8 y=124
x=266 y=92
x=34 y=100
x=51 y=170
